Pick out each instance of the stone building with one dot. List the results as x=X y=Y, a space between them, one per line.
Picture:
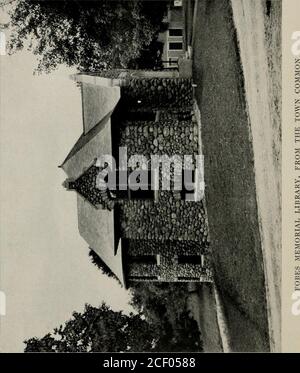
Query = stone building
x=141 y=235
x=173 y=36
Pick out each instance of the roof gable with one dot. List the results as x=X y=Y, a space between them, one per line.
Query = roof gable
x=97 y=102
x=89 y=146
x=96 y=226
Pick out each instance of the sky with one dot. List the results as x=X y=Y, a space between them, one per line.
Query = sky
x=45 y=271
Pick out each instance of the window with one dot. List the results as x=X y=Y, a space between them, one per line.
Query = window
x=141 y=116
x=188 y=278
x=141 y=194
x=175 y=46
x=175 y=32
x=189 y=259
x=143 y=259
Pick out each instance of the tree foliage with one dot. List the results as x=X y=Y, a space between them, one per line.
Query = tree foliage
x=97 y=330
x=164 y=307
x=104 y=330
x=90 y=35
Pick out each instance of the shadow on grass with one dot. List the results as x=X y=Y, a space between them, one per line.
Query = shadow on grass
x=229 y=177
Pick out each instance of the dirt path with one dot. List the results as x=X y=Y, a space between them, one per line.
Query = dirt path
x=250 y=21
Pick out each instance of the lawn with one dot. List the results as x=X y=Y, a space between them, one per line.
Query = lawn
x=230 y=176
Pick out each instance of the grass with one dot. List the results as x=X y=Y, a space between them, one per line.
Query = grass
x=229 y=175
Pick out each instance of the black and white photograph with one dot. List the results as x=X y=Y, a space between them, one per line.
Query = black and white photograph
x=141 y=176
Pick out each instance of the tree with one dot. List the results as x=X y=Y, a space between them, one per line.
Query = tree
x=104 y=330
x=98 y=330
x=164 y=307
x=157 y=300
x=89 y=35
x=45 y=344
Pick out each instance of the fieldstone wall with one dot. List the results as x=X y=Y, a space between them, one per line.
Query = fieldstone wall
x=168 y=226
x=169 y=268
x=165 y=219
x=138 y=90
x=143 y=270
x=154 y=247
x=169 y=217
x=171 y=93
x=85 y=185
x=175 y=114
x=163 y=137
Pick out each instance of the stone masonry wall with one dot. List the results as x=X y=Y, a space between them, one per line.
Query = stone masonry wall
x=164 y=220
x=163 y=137
x=169 y=268
x=171 y=93
x=169 y=217
x=138 y=90
x=155 y=247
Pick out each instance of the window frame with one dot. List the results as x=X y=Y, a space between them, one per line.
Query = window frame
x=147 y=259
x=173 y=43
x=176 y=36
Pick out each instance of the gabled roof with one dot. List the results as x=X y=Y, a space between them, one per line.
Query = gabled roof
x=96 y=226
x=89 y=146
x=97 y=103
